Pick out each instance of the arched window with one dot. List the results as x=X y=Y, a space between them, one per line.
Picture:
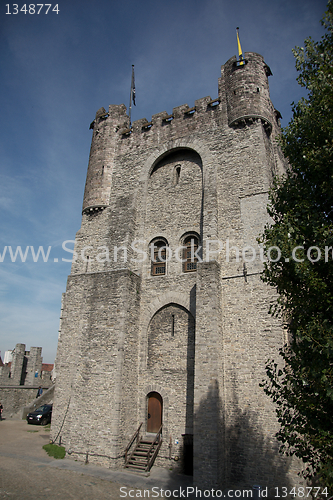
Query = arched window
x=158 y=252
x=191 y=245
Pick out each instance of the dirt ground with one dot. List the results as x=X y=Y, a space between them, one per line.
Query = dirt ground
x=27 y=472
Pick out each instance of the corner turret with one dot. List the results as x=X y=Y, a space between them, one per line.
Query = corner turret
x=101 y=160
x=247 y=90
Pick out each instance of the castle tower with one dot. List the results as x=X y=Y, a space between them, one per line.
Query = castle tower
x=165 y=319
x=247 y=90
x=101 y=160
x=34 y=366
x=18 y=368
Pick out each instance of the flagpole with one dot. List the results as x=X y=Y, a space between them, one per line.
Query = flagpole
x=131 y=96
x=240 y=52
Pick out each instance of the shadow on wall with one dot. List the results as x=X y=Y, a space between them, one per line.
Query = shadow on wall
x=251 y=456
x=237 y=453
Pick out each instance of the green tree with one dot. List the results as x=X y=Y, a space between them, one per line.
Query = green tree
x=301 y=207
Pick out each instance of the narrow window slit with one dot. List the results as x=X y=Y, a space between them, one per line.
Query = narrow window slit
x=176 y=174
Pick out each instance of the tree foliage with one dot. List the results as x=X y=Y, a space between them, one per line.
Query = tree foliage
x=301 y=206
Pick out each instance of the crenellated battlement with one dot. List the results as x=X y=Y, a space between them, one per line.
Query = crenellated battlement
x=242 y=99
x=117 y=116
x=178 y=116
x=243 y=94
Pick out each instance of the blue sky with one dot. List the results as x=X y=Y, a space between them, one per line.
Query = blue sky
x=56 y=70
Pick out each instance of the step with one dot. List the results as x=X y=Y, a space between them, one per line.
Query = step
x=130 y=466
x=139 y=458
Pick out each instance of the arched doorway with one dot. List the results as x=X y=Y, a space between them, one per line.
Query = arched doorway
x=155 y=410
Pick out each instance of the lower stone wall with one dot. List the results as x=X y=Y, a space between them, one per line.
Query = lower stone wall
x=14 y=398
x=95 y=369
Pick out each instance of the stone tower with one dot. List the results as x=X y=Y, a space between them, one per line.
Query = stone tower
x=25 y=367
x=164 y=306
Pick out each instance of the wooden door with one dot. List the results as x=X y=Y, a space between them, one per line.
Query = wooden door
x=154 y=420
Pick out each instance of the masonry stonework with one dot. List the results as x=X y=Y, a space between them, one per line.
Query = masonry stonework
x=197 y=339
x=24 y=369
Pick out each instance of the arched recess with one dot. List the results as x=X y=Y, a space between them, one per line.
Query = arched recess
x=182 y=299
x=171 y=360
x=175 y=156
x=209 y=206
x=171 y=335
x=174 y=192
x=154 y=412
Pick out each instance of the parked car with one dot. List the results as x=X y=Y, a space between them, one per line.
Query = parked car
x=41 y=415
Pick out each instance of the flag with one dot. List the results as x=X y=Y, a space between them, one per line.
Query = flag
x=133 y=86
x=240 y=54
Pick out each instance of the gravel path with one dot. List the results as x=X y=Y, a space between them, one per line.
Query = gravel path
x=28 y=473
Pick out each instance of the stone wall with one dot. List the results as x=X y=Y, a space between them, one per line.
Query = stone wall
x=96 y=373
x=14 y=399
